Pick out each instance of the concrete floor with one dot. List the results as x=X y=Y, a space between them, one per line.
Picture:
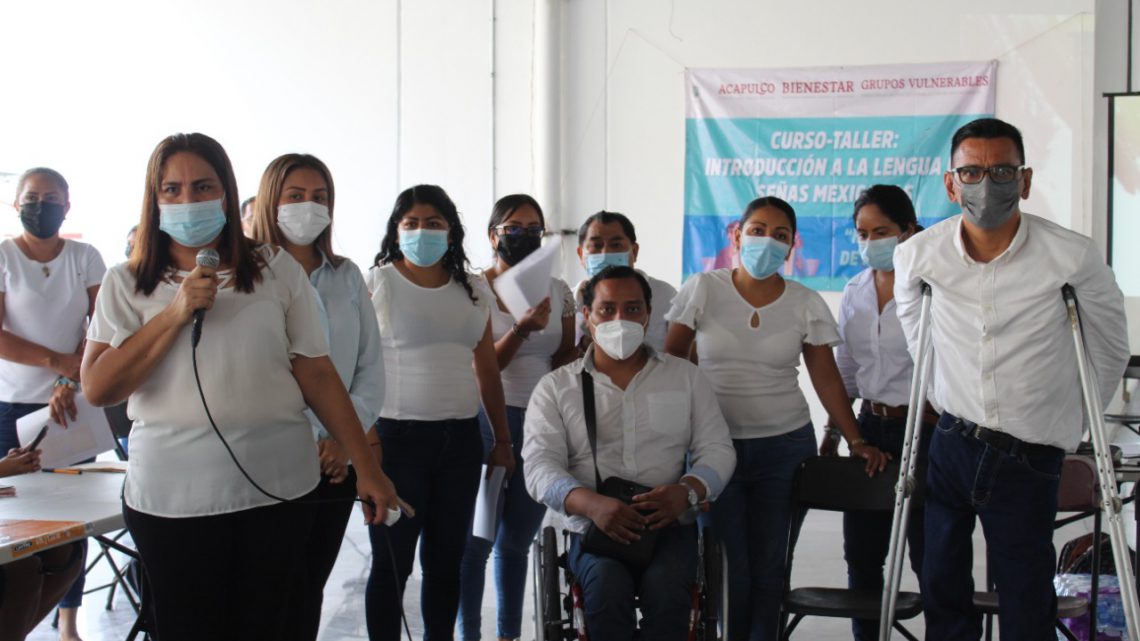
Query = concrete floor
x=819 y=562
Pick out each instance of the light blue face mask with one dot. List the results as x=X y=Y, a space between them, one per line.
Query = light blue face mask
x=762 y=256
x=879 y=254
x=192 y=224
x=597 y=262
x=423 y=247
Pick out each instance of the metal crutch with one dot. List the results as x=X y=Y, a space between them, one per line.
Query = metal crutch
x=1106 y=475
x=905 y=487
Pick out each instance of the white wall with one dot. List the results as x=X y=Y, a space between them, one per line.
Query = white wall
x=391 y=92
x=624 y=109
x=1111 y=77
x=387 y=93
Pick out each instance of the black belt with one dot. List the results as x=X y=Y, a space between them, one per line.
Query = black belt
x=899 y=413
x=1002 y=441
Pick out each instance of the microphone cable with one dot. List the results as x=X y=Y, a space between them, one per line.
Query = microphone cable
x=267 y=493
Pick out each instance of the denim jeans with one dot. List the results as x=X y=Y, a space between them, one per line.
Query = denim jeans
x=9 y=439
x=520 y=521
x=664 y=588
x=867 y=535
x=1015 y=497
x=9 y=413
x=435 y=467
x=751 y=518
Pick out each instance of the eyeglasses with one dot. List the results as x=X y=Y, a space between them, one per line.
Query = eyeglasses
x=534 y=231
x=1000 y=174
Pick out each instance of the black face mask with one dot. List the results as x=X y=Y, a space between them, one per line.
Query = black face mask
x=42 y=219
x=512 y=249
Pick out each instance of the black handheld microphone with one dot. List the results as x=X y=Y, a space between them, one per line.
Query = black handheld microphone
x=206 y=258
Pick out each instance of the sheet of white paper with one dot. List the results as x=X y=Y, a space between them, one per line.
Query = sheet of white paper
x=488 y=504
x=525 y=285
x=86 y=437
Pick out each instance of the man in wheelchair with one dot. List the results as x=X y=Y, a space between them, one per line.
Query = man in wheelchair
x=606 y=441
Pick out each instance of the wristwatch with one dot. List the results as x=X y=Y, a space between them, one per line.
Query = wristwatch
x=694 y=500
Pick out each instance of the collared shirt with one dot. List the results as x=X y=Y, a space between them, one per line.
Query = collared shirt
x=644 y=432
x=1003 y=348
x=873 y=358
x=662 y=294
x=354 y=338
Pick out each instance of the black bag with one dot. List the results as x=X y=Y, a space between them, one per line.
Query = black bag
x=639 y=553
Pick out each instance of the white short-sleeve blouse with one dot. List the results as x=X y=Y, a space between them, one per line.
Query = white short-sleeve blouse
x=178 y=466
x=754 y=370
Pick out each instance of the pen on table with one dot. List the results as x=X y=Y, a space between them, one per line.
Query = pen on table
x=62 y=470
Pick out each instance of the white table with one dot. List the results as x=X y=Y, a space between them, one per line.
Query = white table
x=53 y=509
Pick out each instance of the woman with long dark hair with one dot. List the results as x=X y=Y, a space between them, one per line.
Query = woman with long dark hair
x=527 y=350
x=219 y=489
x=294 y=211
x=440 y=365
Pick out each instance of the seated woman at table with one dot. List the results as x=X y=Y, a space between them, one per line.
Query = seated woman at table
x=31 y=587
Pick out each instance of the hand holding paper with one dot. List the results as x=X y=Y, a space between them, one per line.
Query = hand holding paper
x=525 y=286
x=87 y=435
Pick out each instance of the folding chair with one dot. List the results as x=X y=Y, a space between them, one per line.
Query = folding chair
x=1077 y=492
x=841 y=484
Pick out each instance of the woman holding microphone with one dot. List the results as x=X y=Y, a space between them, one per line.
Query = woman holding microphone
x=218 y=498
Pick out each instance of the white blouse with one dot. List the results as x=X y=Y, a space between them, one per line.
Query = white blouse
x=873 y=358
x=45 y=303
x=532 y=360
x=754 y=370
x=178 y=467
x=428 y=336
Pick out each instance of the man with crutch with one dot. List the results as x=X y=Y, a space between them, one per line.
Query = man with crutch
x=1005 y=377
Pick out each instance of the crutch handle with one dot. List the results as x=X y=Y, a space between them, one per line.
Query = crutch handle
x=1069 y=294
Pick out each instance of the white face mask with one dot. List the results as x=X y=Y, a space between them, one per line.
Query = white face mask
x=619 y=339
x=301 y=223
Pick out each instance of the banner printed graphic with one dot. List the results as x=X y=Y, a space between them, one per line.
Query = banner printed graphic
x=816 y=138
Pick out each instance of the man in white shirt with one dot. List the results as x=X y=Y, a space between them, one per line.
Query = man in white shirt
x=1005 y=376
x=652 y=410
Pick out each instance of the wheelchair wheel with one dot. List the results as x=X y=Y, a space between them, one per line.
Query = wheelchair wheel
x=714 y=602
x=551 y=596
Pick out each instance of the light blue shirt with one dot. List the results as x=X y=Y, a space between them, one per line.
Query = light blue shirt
x=354 y=339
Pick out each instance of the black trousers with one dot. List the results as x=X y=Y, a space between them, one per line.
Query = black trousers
x=226 y=576
x=331 y=514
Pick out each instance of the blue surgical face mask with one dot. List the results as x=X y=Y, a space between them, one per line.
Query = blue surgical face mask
x=879 y=254
x=192 y=224
x=597 y=262
x=762 y=256
x=423 y=247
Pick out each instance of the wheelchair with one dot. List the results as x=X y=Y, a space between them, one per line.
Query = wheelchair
x=559 y=613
